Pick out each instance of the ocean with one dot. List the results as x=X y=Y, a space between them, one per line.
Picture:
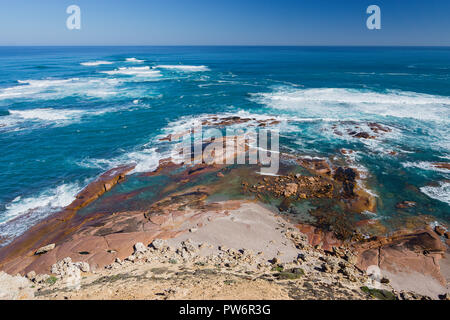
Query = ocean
x=68 y=114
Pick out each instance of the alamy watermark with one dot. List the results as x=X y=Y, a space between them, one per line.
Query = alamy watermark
x=374 y=20
x=73 y=22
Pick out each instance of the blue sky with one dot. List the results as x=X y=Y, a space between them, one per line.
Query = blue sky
x=231 y=22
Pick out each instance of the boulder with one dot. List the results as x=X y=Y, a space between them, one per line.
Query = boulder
x=139 y=248
x=291 y=189
x=45 y=249
x=158 y=244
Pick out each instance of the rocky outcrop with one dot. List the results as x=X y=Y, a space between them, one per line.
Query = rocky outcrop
x=405 y=253
x=102 y=184
x=15 y=287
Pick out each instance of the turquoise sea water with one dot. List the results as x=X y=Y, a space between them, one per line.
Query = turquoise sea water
x=68 y=114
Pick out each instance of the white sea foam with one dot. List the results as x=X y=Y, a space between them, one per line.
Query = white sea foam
x=134 y=60
x=46 y=89
x=45 y=114
x=23 y=212
x=441 y=192
x=425 y=166
x=95 y=63
x=135 y=71
x=39 y=117
x=146 y=160
x=184 y=68
x=339 y=102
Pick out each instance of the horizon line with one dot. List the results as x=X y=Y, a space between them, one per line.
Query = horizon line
x=223 y=45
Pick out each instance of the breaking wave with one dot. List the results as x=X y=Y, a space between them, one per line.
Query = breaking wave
x=135 y=71
x=353 y=102
x=21 y=213
x=441 y=192
x=95 y=63
x=184 y=68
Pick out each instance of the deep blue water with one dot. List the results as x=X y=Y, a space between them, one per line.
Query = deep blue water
x=65 y=117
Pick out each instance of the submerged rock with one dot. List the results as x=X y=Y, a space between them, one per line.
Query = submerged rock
x=406 y=204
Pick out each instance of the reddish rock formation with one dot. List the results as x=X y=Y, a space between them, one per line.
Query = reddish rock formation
x=440 y=230
x=58 y=226
x=405 y=205
x=442 y=165
x=102 y=184
x=326 y=240
x=404 y=251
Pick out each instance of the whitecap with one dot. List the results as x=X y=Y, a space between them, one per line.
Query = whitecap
x=46 y=89
x=134 y=60
x=135 y=71
x=441 y=192
x=95 y=63
x=146 y=160
x=319 y=102
x=184 y=68
x=424 y=165
x=23 y=212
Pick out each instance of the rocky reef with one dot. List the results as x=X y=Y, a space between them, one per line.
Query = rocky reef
x=301 y=234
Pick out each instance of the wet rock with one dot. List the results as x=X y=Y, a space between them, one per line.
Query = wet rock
x=405 y=204
x=290 y=189
x=285 y=205
x=102 y=184
x=442 y=165
x=363 y=135
x=348 y=178
x=45 y=249
x=440 y=230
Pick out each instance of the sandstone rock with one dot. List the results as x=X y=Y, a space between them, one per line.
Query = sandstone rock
x=440 y=230
x=45 y=249
x=291 y=189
